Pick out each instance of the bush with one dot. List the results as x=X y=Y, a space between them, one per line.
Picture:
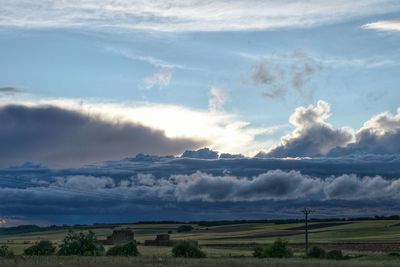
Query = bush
x=394 y=254
x=6 y=252
x=260 y=252
x=187 y=249
x=43 y=248
x=129 y=249
x=184 y=228
x=279 y=249
x=335 y=255
x=316 y=252
x=80 y=244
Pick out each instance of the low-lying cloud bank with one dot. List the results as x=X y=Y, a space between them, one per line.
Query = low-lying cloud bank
x=170 y=188
x=183 y=196
x=274 y=185
x=314 y=137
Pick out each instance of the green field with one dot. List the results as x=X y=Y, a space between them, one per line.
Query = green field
x=368 y=242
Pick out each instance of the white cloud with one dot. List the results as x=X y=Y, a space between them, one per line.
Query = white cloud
x=156 y=62
x=218 y=98
x=313 y=136
x=378 y=135
x=161 y=78
x=384 y=25
x=186 y=15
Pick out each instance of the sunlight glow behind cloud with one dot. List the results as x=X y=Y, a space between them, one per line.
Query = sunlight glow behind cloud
x=225 y=132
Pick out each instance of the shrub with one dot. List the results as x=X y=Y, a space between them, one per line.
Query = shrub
x=260 y=252
x=335 y=255
x=187 y=249
x=394 y=254
x=129 y=249
x=316 y=252
x=6 y=252
x=43 y=248
x=80 y=244
x=184 y=228
x=279 y=249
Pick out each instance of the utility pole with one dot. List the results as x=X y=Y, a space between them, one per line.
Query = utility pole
x=306 y=212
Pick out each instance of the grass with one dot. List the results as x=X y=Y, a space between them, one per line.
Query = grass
x=228 y=245
x=172 y=262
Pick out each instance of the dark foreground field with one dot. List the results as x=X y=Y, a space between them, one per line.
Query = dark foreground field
x=172 y=262
x=367 y=243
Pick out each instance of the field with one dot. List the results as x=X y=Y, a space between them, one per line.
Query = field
x=368 y=242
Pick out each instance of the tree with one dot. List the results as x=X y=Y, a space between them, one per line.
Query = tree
x=187 y=249
x=129 y=249
x=317 y=252
x=335 y=255
x=279 y=249
x=43 y=248
x=260 y=252
x=80 y=244
x=6 y=252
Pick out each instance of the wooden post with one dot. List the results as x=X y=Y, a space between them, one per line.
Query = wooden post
x=306 y=213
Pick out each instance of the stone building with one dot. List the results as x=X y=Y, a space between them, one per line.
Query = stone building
x=119 y=237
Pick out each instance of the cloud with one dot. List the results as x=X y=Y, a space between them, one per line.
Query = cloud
x=282 y=186
x=148 y=187
x=156 y=62
x=203 y=153
x=275 y=185
x=221 y=130
x=379 y=135
x=62 y=137
x=351 y=187
x=284 y=74
x=218 y=98
x=192 y=15
x=312 y=135
x=161 y=78
x=384 y=25
x=10 y=90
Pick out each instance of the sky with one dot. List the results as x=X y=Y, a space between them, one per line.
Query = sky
x=282 y=93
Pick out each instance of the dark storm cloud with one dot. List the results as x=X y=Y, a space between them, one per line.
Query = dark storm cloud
x=272 y=185
x=154 y=187
x=87 y=195
x=61 y=137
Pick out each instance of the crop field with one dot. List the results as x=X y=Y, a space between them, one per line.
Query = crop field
x=368 y=242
